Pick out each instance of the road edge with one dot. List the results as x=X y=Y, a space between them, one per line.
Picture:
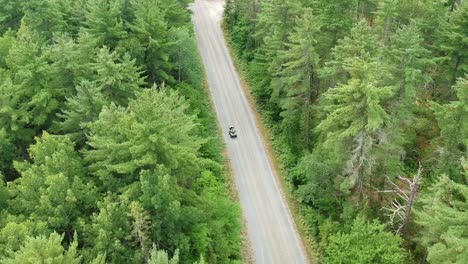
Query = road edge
x=292 y=205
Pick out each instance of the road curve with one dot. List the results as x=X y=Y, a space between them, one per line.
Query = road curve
x=271 y=230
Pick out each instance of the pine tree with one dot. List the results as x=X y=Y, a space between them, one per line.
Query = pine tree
x=45 y=250
x=161 y=257
x=6 y=42
x=150 y=31
x=356 y=117
x=337 y=19
x=365 y=243
x=109 y=232
x=30 y=94
x=154 y=130
x=117 y=77
x=10 y=15
x=187 y=63
x=361 y=43
x=81 y=110
x=51 y=188
x=275 y=21
x=452 y=39
x=176 y=13
x=71 y=62
x=442 y=217
x=452 y=119
x=44 y=17
x=7 y=152
x=104 y=22
x=302 y=83
x=409 y=61
x=140 y=227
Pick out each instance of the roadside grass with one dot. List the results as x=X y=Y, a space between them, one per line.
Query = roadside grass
x=274 y=157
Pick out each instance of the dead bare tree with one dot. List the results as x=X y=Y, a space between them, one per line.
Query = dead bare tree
x=402 y=205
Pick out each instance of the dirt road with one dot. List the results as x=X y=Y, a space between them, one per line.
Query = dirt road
x=271 y=231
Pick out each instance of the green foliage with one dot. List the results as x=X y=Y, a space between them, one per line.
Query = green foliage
x=452 y=119
x=110 y=231
x=361 y=43
x=104 y=22
x=7 y=152
x=125 y=141
x=336 y=17
x=356 y=93
x=356 y=116
x=442 y=217
x=84 y=68
x=451 y=41
x=29 y=95
x=46 y=17
x=81 y=110
x=44 y=249
x=186 y=59
x=150 y=32
x=51 y=187
x=4 y=195
x=118 y=77
x=365 y=243
x=300 y=77
x=161 y=257
x=316 y=187
x=10 y=15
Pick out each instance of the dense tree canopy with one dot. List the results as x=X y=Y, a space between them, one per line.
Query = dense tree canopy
x=109 y=150
x=359 y=94
x=365 y=243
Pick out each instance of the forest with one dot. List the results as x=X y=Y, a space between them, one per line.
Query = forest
x=367 y=104
x=109 y=149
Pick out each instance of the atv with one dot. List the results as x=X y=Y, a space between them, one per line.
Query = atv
x=232 y=132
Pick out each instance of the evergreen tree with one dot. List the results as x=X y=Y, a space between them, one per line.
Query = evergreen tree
x=186 y=61
x=336 y=18
x=452 y=119
x=365 y=243
x=302 y=83
x=140 y=227
x=154 y=130
x=453 y=36
x=30 y=94
x=72 y=63
x=45 y=250
x=150 y=33
x=176 y=13
x=51 y=188
x=356 y=118
x=409 y=61
x=361 y=43
x=81 y=110
x=7 y=152
x=316 y=187
x=6 y=42
x=109 y=232
x=161 y=257
x=44 y=17
x=10 y=15
x=275 y=22
x=104 y=22
x=442 y=217
x=118 y=77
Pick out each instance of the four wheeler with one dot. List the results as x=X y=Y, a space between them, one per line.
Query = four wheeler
x=232 y=132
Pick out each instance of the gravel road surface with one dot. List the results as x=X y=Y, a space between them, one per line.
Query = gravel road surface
x=271 y=230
